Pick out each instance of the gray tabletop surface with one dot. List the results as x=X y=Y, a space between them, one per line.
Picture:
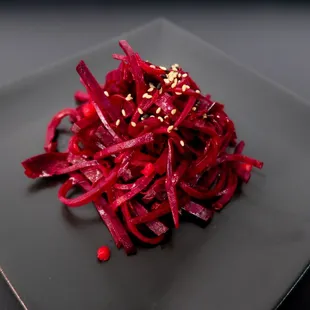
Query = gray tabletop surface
x=274 y=41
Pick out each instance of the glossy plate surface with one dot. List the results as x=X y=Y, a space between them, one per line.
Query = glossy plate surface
x=247 y=258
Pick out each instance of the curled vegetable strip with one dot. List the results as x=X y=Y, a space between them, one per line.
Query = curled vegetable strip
x=147 y=148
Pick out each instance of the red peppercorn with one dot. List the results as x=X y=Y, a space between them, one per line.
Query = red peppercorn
x=103 y=253
x=88 y=109
x=148 y=169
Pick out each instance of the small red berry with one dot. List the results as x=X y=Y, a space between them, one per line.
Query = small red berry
x=88 y=109
x=103 y=253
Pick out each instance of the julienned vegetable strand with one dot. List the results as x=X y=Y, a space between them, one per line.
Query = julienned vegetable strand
x=146 y=148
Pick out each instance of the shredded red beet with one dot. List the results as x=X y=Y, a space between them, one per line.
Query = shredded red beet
x=146 y=147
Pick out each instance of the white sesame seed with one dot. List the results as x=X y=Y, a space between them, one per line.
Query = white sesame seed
x=166 y=116
x=128 y=98
x=176 y=65
x=148 y=96
x=169 y=129
x=133 y=124
x=197 y=91
x=150 y=89
x=152 y=116
x=182 y=143
x=140 y=111
x=174 y=69
x=123 y=112
x=160 y=118
x=152 y=66
x=160 y=91
x=173 y=111
x=166 y=81
x=151 y=85
x=163 y=68
x=178 y=93
x=205 y=116
x=179 y=75
x=184 y=75
x=106 y=93
x=194 y=108
x=174 y=84
x=145 y=95
x=185 y=87
x=158 y=110
x=118 y=122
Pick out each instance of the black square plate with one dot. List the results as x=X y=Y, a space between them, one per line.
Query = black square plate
x=247 y=258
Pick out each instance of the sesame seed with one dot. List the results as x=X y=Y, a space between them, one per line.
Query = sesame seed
x=148 y=96
x=160 y=91
x=128 y=98
x=167 y=81
x=152 y=66
x=184 y=75
x=160 y=118
x=145 y=95
x=179 y=75
x=173 y=111
x=158 y=110
x=151 y=85
x=169 y=129
x=174 y=84
x=106 y=93
x=140 y=111
x=152 y=116
x=123 y=112
x=176 y=65
x=133 y=124
x=174 y=69
x=185 y=87
x=118 y=122
x=178 y=93
x=150 y=89
x=205 y=116
x=194 y=108
x=163 y=68
x=166 y=116
x=197 y=91
x=182 y=143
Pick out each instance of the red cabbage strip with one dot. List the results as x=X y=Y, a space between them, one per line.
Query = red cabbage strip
x=241 y=158
x=126 y=145
x=50 y=145
x=135 y=68
x=133 y=229
x=140 y=185
x=162 y=210
x=45 y=165
x=187 y=109
x=199 y=211
x=228 y=193
x=155 y=226
x=92 y=194
x=116 y=228
x=81 y=96
x=101 y=102
x=203 y=193
x=207 y=160
x=170 y=186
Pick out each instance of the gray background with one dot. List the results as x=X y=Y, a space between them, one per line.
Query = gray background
x=275 y=41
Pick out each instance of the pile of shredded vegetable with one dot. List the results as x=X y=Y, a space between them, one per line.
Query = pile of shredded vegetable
x=147 y=147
